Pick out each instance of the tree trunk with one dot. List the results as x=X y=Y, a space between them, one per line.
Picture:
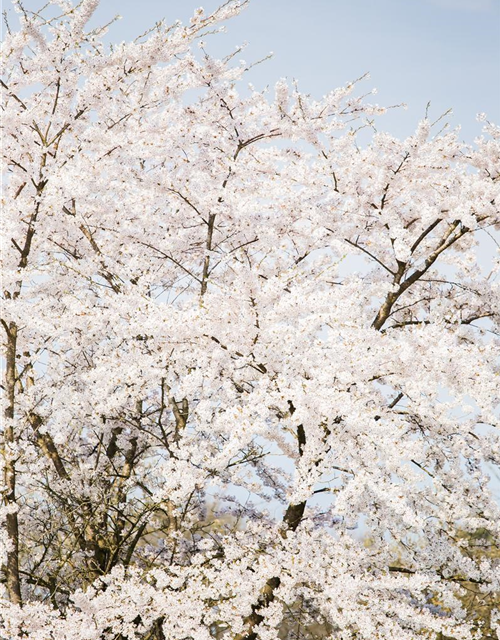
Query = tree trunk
x=12 y=565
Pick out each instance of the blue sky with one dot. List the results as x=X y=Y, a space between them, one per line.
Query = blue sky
x=443 y=51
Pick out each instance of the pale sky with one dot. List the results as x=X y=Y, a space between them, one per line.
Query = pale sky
x=445 y=51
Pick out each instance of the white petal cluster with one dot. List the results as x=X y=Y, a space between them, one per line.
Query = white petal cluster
x=252 y=364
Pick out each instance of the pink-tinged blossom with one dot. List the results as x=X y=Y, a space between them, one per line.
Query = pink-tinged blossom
x=235 y=339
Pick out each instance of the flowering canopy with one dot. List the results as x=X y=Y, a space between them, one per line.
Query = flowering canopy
x=233 y=335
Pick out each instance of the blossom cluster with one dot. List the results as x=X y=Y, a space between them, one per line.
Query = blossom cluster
x=237 y=342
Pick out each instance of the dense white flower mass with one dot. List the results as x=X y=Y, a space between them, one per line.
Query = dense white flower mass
x=252 y=362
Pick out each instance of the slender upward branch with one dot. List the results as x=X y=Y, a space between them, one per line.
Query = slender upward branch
x=208 y=247
x=447 y=240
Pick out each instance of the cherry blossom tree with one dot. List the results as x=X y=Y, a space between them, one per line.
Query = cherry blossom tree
x=236 y=335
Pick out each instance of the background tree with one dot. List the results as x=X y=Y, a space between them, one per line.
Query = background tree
x=223 y=299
